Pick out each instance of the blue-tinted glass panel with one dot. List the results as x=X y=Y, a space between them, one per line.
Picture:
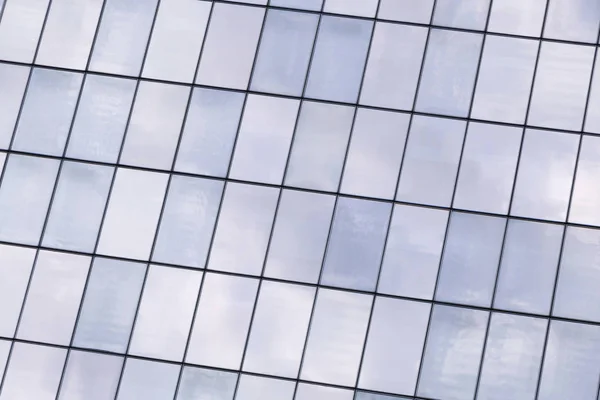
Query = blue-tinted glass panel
x=519 y=17
x=575 y=20
x=148 y=380
x=461 y=14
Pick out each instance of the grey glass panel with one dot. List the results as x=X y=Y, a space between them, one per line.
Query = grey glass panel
x=394 y=65
x=148 y=380
x=375 y=154
x=20 y=30
x=284 y=52
x=109 y=306
x=592 y=120
x=24 y=196
x=470 y=260
x=279 y=329
x=519 y=17
x=413 y=251
x=132 y=214
x=263 y=143
x=319 y=146
x=69 y=33
x=47 y=111
x=12 y=81
x=210 y=128
x=165 y=314
x=314 y=5
x=306 y=391
x=575 y=20
x=15 y=268
x=373 y=396
x=299 y=236
x=545 y=175
x=123 y=36
x=53 y=298
x=6 y=344
x=336 y=338
x=78 y=206
x=577 y=294
x=571 y=365
x=406 y=10
x=101 y=117
x=586 y=194
x=230 y=46
x=487 y=169
x=453 y=353
x=206 y=384
x=33 y=372
x=222 y=321
x=512 y=358
x=394 y=346
x=90 y=376
x=504 y=81
x=188 y=221
x=259 y=388
x=355 y=245
x=155 y=125
x=461 y=14
x=431 y=161
x=561 y=86
x=176 y=40
x=364 y=8
x=528 y=268
x=339 y=58
x=448 y=75
x=243 y=230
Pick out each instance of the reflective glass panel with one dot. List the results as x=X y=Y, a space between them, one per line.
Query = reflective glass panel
x=575 y=20
x=586 y=194
x=406 y=10
x=461 y=14
x=206 y=384
x=307 y=391
x=90 y=376
x=5 y=345
x=259 y=388
x=592 y=120
x=148 y=380
x=313 y=5
x=519 y=17
x=13 y=79
x=20 y=29
x=363 y=8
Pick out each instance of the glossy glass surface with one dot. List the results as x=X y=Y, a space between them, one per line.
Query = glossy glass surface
x=21 y=28
x=518 y=17
x=148 y=380
x=259 y=388
x=13 y=79
x=406 y=10
x=461 y=14
x=206 y=384
x=575 y=20
x=317 y=392
x=90 y=376
x=313 y=5
x=363 y=8
x=592 y=120
x=586 y=194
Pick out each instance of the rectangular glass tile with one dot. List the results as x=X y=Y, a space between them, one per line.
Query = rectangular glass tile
x=517 y=17
x=406 y=10
x=362 y=8
x=307 y=391
x=339 y=59
x=206 y=384
x=374 y=396
x=575 y=20
x=20 y=29
x=592 y=119
x=90 y=376
x=313 y=5
x=462 y=14
x=586 y=194
x=148 y=380
x=230 y=46
x=259 y=388
x=13 y=79
x=5 y=345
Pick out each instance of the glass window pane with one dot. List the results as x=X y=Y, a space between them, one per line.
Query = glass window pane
x=336 y=339
x=487 y=169
x=394 y=346
x=363 y=8
x=519 y=17
x=561 y=86
x=123 y=36
x=314 y=5
x=339 y=57
x=47 y=111
x=109 y=306
x=431 y=161
x=230 y=46
x=78 y=206
x=306 y=391
x=528 y=267
x=90 y=376
x=222 y=321
x=355 y=244
x=259 y=388
x=545 y=175
x=299 y=236
x=209 y=132
x=279 y=329
x=470 y=260
x=448 y=75
x=319 y=146
x=155 y=125
x=206 y=384
x=592 y=120
x=375 y=154
x=13 y=79
x=24 y=196
x=243 y=229
x=188 y=221
x=504 y=81
x=571 y=365
x=15 y=268
x=512 y=357
x=53 y=298
x=373 y=396
x=575 y=20
x=284 y=52
x=461 y=14
x=101 y=117
x=5 y=345
x=132 y=215
x=586 y=194
x=33 y=372
x=394 y=66
x=69 y=33
x=148 y=380
x=263 y=143
x=406 y=10
x=413 y=251
x=20 y=30
x=453 y=353
x=176 y=40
